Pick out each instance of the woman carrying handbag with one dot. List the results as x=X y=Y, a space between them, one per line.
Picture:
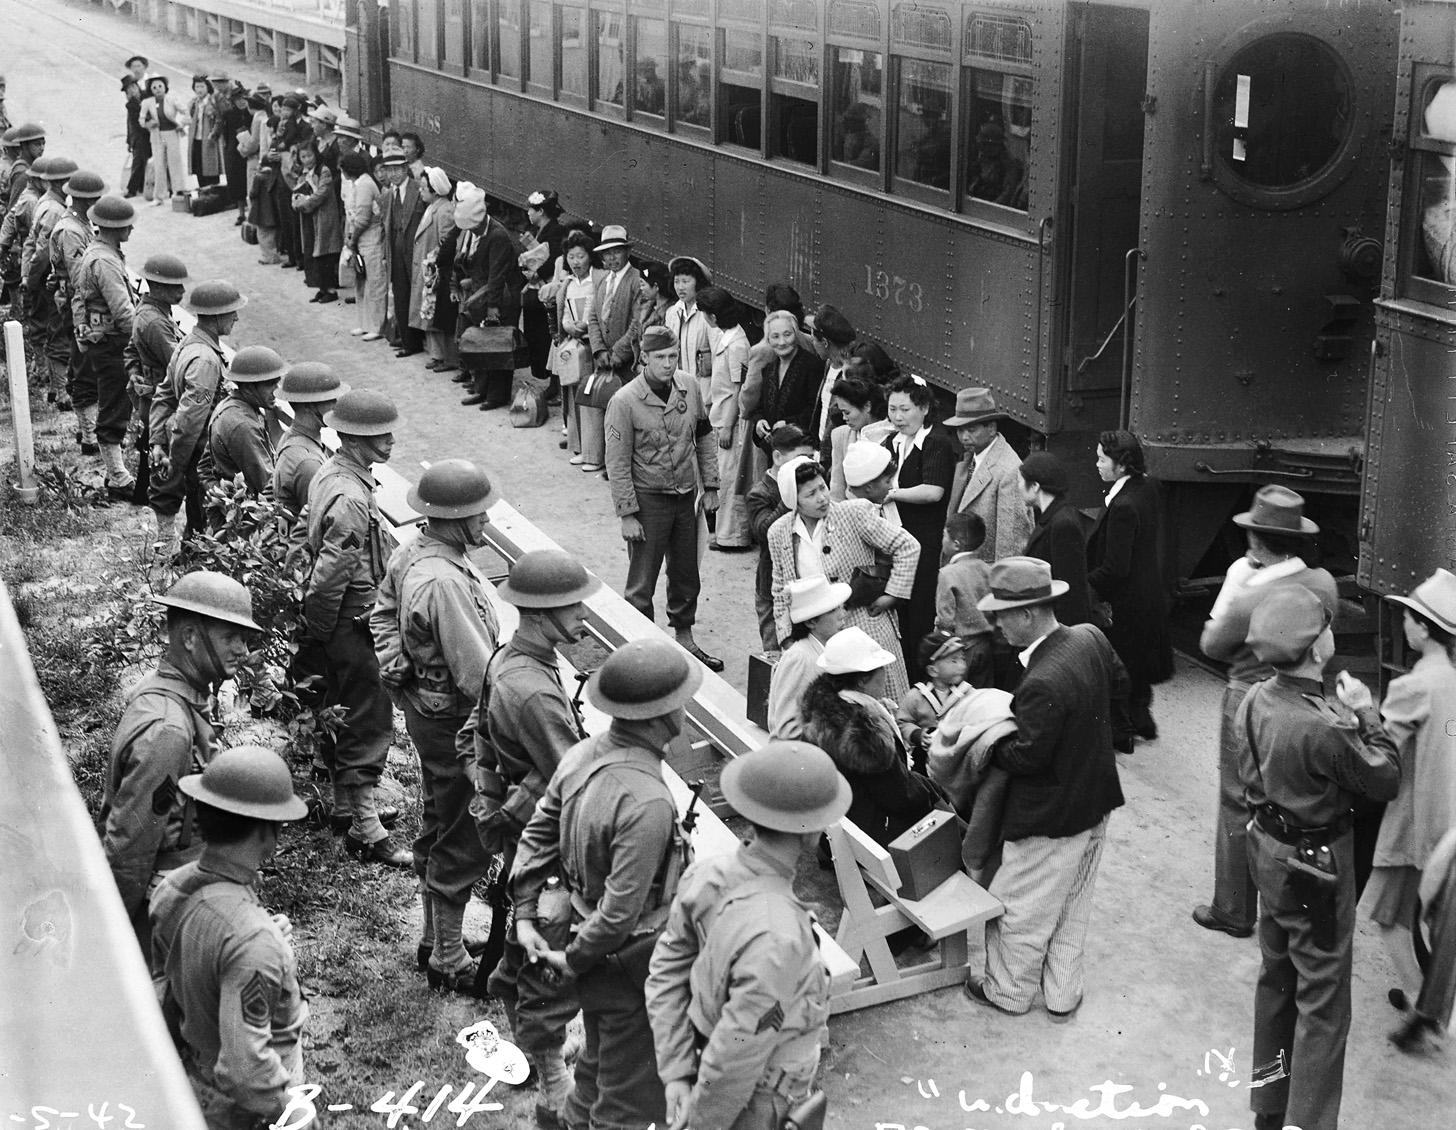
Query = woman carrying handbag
x=571 y=357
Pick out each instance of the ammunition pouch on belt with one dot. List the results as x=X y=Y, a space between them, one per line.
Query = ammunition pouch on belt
x=1314 y=877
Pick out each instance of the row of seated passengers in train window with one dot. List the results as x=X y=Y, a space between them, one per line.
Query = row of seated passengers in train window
x=992 y=173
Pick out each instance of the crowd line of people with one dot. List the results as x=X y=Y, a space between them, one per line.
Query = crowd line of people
x=947 y=631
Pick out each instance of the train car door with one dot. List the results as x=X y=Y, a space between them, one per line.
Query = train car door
x=1108 y=52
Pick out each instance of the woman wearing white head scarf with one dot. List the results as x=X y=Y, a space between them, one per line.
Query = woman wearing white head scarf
x=435 y=225
x=842 y=541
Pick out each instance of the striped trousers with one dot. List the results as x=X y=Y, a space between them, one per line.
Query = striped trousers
x=1046 y=886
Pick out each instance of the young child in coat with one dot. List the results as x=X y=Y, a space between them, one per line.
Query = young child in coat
x=943 y=656
x=964 y=579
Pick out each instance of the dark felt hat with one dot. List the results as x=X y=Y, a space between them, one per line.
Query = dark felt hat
x=1276 y=510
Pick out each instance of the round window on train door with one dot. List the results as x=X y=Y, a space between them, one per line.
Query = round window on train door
x=1282 y=121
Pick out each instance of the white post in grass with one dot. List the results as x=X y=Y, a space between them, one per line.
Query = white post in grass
x=25 y=486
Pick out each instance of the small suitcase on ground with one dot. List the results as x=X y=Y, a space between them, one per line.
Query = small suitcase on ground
x=528 y=401
x=250 y=233
x=181 y=202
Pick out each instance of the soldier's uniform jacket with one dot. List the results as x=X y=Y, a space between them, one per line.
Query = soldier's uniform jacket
x=608 y=824
x=300 y=456
x=232 y=982
x=737 y=974
x=165 y=733
x=346 y=541
x=154 y=338
x=1311 y=759
x=434 y=628
x=239 y=443
x=191 y=387
x=35 y=256
x=15 y=229
x=17 y=181
x=530 y=724
x=102 y=301
x=661 y=447
x=69 y=240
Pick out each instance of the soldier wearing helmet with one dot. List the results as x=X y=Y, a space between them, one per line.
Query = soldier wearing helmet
x=26 y=191
x=183 y=404
x=608 y=824
x=738 y=994
x=345 y=539
x=310 y=389
x=228 y=967
x=68 y=242
x=167 y=732
x=154 y=338
x=523 y=726
x=52 y=335
x=238 y=439
x=434 y=631
x=103 y=307
x=29 y=141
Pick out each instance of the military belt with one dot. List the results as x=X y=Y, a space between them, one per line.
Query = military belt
x=1273 y=820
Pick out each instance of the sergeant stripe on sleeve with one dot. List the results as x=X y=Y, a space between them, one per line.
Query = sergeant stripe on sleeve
x=254 y=1000
x=772 y=1019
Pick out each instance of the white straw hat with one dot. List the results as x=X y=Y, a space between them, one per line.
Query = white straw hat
x=864 y=462
x=813 y=596
x=853 y=650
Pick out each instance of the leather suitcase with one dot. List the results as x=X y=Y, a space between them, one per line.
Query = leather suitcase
x=760 y=675
x=927 y=854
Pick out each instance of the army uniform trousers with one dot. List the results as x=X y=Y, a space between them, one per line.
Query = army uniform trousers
x=41 y=321
x=352 y=675
x=670 y=533
x=180 y=488
x=538 y=1002
x=1235 y=897
x=102 y=376
x=1302 y=999
x=616 y=1086
x=449 y=857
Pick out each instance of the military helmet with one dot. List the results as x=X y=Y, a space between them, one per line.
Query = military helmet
x=29 y=131
x=214 y=595
x=112 y=212
x=787 y=786
x=7 y=139
x=363 y=412
x=247 y=780
x=39 y=166
x=644 y=679
x=60 y=168
x=165 y=268
x=310 y=382
x=452 y=488
x=255 y=364
x=547 y=578
x=85 y=185
x=215 y=297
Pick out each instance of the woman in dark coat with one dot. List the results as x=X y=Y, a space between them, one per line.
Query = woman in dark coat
x=926 y=467
x=1125 y=570
x=238 y=118
x=842 y=714
x=790 y=386
x=1059 y=537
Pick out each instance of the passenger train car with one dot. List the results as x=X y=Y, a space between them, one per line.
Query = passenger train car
x=1169 y=214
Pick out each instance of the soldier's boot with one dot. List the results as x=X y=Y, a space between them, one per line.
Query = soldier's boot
x=452 y=969
x=60 y=391
x=341 y=819
x=367 y=839
x=427 y=935
x=553 y=1085
x=86 y=430
x=167 y=543
x=119 y=483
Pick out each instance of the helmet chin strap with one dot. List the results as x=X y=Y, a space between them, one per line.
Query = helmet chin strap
x=219 y=672
x=566 y=633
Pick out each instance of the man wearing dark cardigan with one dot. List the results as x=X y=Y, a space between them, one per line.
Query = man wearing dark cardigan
x=1070 y=703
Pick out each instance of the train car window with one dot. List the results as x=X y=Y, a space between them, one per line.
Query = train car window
x=508 y=42
x=922 y=122
x=455 y=34
x=694 y=104
x=1283 y=108
x=1431 y=217
x=539 y=47
x=571 y=34
x=404 y=30
x=740 y=86
x=611 y=58
x=794 y=98
x=480 y=34
x=427 y=33
x=998 y=145
x=649 y=68
x=857 y=116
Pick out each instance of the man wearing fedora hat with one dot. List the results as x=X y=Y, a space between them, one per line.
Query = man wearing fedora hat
x=738 y=994
x=434 y=631
x=154 y=336
x=182 y=405
x=1303 y=764
x=401 y=209
x=1071 y=714
x=607 y=822
x=237 y=435
x=231 y=977
x=519 y=733
x=611 y=326
x=988 y=480
x=102 y=309
x=1278 y=534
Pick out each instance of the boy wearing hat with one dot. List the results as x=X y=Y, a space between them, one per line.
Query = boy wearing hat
x=765 y=507
x=660 y=446
x=1303 y=763
x=738 y=994
x=232 y=992
x=182 y=405
x=607 y=822
x=434 y=631
x=1071 y=714
x=988 y=479
x=310 y=389
x=237 y=435
x=1278 y=533
x=166 y=732
x=943 y=659
x=154 y=337
x=103 y=310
